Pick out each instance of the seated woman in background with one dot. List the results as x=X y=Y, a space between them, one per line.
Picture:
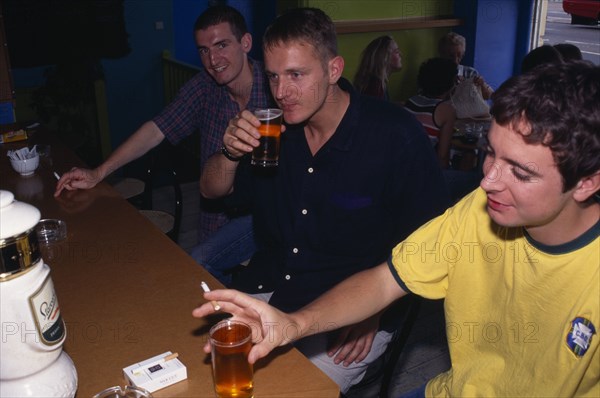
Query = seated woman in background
x=453 y=46
x=378 y=61
x=432 y=106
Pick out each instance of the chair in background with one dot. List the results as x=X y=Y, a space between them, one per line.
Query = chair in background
x=129 y=188
x=160 y=172
x=175 y=75
x=160 y=164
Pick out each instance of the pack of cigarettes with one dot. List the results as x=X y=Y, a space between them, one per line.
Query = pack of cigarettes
x=12 y=136
x=157 y=372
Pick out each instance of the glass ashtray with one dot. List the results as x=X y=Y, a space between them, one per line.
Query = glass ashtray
x=127 y=392
x=51 y=230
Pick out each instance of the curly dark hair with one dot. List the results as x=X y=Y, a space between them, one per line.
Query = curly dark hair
x=556 y=105
x=215 y=15
x=309 y=25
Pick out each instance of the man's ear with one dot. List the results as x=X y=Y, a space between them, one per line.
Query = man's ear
x=587 y=187
x=336 y=67
x=246 y=42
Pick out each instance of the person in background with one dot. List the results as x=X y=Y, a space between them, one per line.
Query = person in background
x=523 y=318
x=231 y=81
x=569 y=52
x=434 y=109
x=355 y=174
x=432 y=105
x=541 y=55
x=453 y=46
x=378 y=61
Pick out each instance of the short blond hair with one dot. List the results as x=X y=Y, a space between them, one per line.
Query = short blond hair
x=449 y=40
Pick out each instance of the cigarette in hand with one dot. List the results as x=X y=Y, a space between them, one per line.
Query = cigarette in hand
x=206 y=289
x=57 y=176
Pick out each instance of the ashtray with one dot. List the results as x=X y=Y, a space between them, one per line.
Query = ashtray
x=50 y=230
x=127 y=392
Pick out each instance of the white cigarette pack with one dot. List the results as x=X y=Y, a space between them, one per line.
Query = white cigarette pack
x=156 y=372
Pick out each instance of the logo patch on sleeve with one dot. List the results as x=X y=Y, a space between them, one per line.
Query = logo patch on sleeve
x=580 y=335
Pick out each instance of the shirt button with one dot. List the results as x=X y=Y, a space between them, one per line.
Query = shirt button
x=311 y=170
x=295 y=250
x=260 y=286
x=287 y=277
x=304 y=211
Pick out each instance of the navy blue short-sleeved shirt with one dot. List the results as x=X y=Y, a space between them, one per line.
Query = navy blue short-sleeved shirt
x=319 y=219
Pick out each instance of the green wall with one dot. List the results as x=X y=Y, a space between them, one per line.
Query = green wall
x=416 y=45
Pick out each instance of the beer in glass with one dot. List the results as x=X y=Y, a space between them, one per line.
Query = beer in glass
x=230 y=344
x=266 y=154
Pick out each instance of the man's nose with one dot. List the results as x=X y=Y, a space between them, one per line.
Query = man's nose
x=492 y=176
x=287 y=90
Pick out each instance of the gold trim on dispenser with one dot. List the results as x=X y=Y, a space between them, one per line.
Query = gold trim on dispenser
x=18 y=254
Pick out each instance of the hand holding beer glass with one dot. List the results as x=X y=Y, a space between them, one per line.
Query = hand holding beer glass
x=230 y=343
x=266 y=154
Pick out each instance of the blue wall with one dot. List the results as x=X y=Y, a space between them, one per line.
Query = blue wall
x=185 y=13
x=497 y=34
x=134 y=83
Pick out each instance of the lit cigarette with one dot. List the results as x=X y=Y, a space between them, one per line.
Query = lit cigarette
x=56 y=175
x=206 y=289
x=160 y=361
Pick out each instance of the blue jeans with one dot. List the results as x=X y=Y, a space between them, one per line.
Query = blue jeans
x=416 y=393
x=230 y=245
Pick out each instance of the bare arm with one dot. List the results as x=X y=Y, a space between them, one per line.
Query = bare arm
x=144 y=139
x=217 y=176
x=240 y=137
x=353 y=300
x=445 y=117
x=486 y=89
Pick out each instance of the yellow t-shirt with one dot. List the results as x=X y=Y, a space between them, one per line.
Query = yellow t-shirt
x=521 y=319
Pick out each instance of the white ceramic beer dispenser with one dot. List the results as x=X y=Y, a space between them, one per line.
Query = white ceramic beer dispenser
x=32 y=362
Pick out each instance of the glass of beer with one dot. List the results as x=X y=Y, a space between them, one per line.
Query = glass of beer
x=231 y=342
x=266 y=154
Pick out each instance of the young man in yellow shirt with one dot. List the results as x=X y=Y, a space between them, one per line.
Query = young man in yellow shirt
x=517 y=260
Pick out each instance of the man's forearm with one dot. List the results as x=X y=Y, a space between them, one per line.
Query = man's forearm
x=217 y=176
x=351 y=301
x=143 y=140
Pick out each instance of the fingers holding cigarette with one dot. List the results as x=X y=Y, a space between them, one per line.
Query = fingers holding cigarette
x=270 y=327
x=206 y=289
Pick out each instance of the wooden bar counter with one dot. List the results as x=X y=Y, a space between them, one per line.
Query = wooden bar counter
x=126 y=291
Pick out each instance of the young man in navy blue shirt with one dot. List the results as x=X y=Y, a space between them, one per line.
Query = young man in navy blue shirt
x=355 y=176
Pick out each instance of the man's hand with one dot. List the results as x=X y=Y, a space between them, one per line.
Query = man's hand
x=354 y=342
x=241 y=135
x=271 y=328
x=77 y=179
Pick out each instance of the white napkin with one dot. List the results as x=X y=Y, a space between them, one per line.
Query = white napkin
x=23 y=153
